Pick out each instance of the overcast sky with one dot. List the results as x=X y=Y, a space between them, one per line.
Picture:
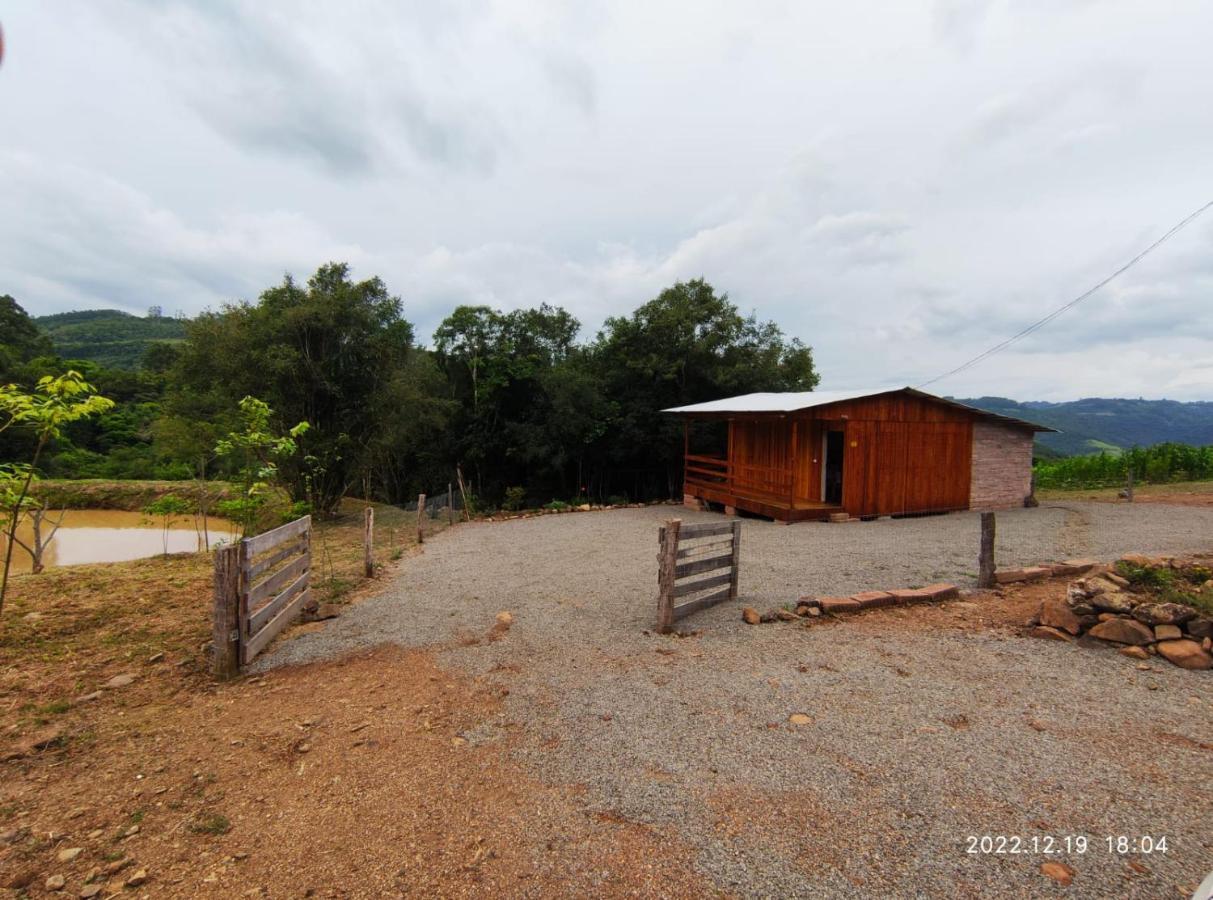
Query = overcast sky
x=900 y=185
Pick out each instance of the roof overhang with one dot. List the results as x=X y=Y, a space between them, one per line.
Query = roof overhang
x=764 y=404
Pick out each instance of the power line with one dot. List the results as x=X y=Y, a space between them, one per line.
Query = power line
x=1040 y=323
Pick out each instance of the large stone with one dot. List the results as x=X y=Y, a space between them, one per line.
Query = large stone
x=785 y=615
x=1059 y=872
x=1135 y=652
x=1044 y=631
x=1082 y=565
x=1167 y=633
x=1056 y=613
x=1163 y=613
x=1113 y=579
x=1200 y=627
x=750 y=616
x=909 y=595
x=120 y=681
x=1186 y=654
x=941 y=591
x=1140 y=559
x=69 y=854
x=1112 y=601
x=1123 y=631
x=839 y=605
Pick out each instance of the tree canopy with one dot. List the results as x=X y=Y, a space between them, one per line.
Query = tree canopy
x=517 y=399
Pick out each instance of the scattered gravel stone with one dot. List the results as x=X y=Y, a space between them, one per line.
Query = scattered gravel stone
x=877 y=796
x=120 y=681
x=69 y=854
x=55 y=883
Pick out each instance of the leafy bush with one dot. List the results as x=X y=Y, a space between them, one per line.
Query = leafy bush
x=556 y=504
x=617 y=500
x=1146 y=577
x=515 y=498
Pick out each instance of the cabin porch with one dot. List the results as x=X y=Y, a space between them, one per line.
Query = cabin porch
x=762 y=490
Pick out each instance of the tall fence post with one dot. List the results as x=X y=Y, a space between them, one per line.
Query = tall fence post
x=667 y=562
x=368 y=541
x=421 y=518
x=226 y=626
x=450 y=504
x=1129 y=484
x=736 y=560
x=985 y=557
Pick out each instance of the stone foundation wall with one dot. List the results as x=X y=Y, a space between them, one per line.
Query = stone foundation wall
x=1002 y=466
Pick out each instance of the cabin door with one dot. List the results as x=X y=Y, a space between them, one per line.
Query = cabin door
x=831 y=469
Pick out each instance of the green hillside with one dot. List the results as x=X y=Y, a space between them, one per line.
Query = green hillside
x=1094 y=424
x=108 y=336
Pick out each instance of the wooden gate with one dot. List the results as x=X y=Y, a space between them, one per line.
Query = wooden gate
x=683 y=556
x=261 y=584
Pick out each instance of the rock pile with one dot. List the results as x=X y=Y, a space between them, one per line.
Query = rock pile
x=1103 y=606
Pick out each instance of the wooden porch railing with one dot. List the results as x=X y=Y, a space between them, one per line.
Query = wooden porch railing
x=746 y=479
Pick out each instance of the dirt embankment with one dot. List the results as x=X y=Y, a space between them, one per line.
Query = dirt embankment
x=132 y=496
x=358 y=778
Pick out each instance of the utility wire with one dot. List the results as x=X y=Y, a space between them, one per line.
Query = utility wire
x=1040 y=323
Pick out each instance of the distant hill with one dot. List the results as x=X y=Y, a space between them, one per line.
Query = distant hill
x=1095 y=424
x=108 y=336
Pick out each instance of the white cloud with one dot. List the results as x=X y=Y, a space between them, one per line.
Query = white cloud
x=900 y=186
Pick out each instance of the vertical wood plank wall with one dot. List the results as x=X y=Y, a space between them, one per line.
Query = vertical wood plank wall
x=901 y=453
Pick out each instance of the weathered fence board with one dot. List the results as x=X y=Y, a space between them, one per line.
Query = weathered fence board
x=670 y=570
x=264 y=613
x=274 y=537
x=264 y=565
x=690 y=587
x=278 y=580
x=261 y=639
x=256 y=598
x=703 y=565
x=708 y=529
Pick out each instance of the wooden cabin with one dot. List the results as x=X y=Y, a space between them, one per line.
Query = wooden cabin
x=795 y=456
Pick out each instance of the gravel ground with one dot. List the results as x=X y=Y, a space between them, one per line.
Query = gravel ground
x=922 y=732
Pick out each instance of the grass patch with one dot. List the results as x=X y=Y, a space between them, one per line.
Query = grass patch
x=211 y=823
x=81 y=625
x=1186 y=586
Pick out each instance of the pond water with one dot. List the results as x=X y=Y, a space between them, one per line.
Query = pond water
x=109 y=535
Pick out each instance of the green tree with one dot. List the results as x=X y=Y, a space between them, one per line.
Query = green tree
x=166 y=507
x=687 y=345
x=55 y=403
x=21 y=340
x=501 y=370
x=330 y=353
x=256 y=451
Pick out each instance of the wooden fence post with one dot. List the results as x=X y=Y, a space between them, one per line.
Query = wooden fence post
x=421 y=518
x=667 y=562
x=1129 y=484
x=368 y=541
x=985 y=558
x=736 y=572
x=226 y=626
x=450 y=505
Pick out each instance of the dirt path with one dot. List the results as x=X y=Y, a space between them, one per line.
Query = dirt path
x=342 y=779
x=573 y=753
x=926 y=726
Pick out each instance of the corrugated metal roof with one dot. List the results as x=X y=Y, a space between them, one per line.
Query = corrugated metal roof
x=793 y=401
